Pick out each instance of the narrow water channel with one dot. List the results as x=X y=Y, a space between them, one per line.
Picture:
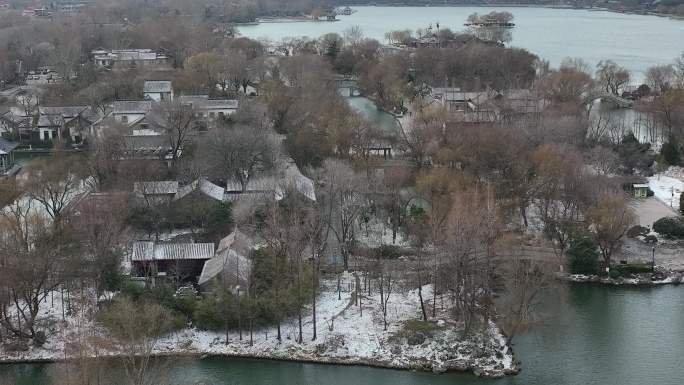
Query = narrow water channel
x=585 y=335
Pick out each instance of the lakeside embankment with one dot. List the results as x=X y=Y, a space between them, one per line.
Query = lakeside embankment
x=348 y=333
x=646 y=279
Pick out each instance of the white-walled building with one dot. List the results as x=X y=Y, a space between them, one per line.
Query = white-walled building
x=130 y=111
x=124 y=59
x=158 y=90
x=210 y=108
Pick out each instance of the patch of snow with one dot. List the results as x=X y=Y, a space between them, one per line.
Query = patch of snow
x=667 y=189
x=378 y=233
x=346 y=333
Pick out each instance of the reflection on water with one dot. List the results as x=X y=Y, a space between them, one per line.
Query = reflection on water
x=367 y=109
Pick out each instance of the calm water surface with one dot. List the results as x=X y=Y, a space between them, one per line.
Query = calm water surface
x=634 y=41
x=370 y=112
x=589 y=335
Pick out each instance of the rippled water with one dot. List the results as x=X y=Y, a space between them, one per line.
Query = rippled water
x=634 y=41
x=587 y=335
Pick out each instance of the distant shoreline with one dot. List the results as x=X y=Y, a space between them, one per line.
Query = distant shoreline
x=308 y=19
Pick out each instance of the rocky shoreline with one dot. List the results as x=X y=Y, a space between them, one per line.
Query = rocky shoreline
x=479 y=363
x=346 y=336
x=646 y=279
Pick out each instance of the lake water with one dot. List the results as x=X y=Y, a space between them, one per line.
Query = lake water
x=587 y=335
x=634 y=41
x=370 y=112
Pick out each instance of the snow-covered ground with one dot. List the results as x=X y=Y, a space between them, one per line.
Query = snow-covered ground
x=345 y=335
x=668 y=186
x=378 y=233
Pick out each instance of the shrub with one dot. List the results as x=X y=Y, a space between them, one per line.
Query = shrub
x=133 y=290
x=582 y=256
x=133 y=321
x=39 y=339
x=651 y=239
x=669 y=226
x=387 y=252
x=670 y=152
x=636 y=231
x=614 y=274
x=162 y=294
x=634 y=268
x=209 y=314
x=416 y=331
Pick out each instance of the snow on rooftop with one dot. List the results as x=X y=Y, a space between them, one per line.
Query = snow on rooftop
x=159 y=187
x=236 y=267
x=205 y=187
x=157 y=86
x=151 y=251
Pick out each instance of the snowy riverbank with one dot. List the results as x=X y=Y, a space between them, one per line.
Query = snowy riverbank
x=346 y=334
x=663 y=278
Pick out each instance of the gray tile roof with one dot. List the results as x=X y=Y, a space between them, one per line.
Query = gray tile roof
x=219 y=104
x=157 y=86
x=7 y=146
x=235 y=267
x=151 y=251
x=50 y=121
x=146 y=142
x=65 y=112
x=187 y=99
x=205 y=187
x=203 y=102
x=127 y=54
x=131 y=106
x=156 y=188
x=231 y=259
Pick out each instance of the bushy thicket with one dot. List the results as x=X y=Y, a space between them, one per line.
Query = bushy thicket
x=277 y=292
x=670 y=227
x=214 y=218
x=582 y=256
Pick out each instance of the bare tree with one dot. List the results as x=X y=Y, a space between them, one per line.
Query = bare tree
x=54 y=182
x=107 y=149
x=660 y=77
x=386 y=287
x=177 y=122
x=421 y=138
x=237 y=153
x=524 y=280
x=99 y=222
x=611 y=76
x=604 y=160
x=136 y=328
x=34 y=260
x=474 y=227
x=610 y=218
x=343 y=195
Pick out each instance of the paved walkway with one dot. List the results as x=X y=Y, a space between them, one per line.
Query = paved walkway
x=668 y=254
x=649 y=210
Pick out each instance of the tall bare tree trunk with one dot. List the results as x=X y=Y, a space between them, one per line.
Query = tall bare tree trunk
x=313 y=295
